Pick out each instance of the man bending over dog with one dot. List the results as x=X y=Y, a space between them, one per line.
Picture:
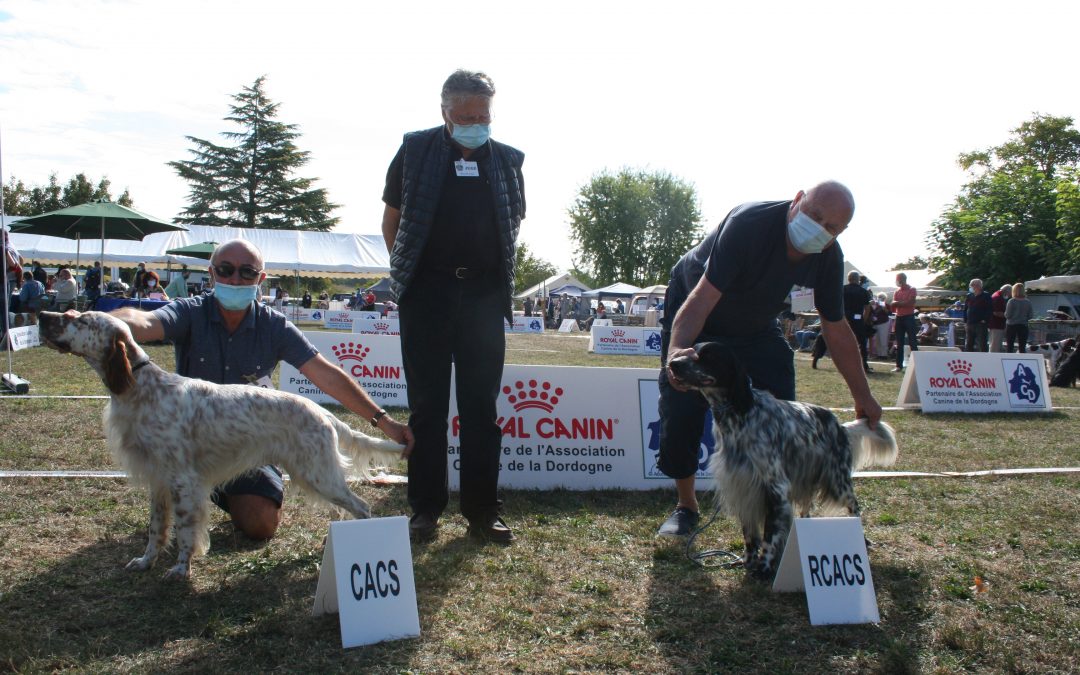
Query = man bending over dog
x=230 y=337
x=730 y=289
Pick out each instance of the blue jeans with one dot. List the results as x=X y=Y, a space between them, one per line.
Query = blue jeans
x=767 y=359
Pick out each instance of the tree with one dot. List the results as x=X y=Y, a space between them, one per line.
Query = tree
x=915 y=262
x=634 y=226
x=530 y=270
x=20 y=200
x=1018 y=216
x=249 y=182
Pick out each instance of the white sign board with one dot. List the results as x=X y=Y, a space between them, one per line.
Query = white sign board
x=23 y=337
x=569 y=326
x=827 y=558
x=975 y=382
x=802 y=300
x=373 y=360
x=524 y=324
x=367 y=579
x=376 y=326
x=296 y=313
x=344 y=319
x=624 y=340
x=616 y=340
x=578 y=428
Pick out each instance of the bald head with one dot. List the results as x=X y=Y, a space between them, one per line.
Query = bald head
x=237 y=247
x=834 y=200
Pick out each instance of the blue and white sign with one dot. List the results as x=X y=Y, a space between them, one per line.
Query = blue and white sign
x=524 y=324
x=975 y=382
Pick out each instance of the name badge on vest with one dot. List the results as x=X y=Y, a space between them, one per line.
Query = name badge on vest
x=466 y=169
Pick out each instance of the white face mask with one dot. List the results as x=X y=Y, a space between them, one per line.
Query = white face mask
x=151 y=283
x=806 y=235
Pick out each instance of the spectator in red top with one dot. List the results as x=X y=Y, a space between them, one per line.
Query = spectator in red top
x=903 y=305
x=369 y=300
x=997 y=319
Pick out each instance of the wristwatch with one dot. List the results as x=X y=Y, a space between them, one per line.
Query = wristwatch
x=378 y=416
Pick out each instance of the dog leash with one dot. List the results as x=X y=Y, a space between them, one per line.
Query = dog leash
x=734 y=562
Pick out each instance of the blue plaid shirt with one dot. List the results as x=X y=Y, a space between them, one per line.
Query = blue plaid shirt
x=205 y=349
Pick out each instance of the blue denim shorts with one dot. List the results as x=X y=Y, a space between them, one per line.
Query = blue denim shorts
x=264 y=481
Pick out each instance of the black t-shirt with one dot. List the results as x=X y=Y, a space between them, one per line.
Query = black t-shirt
x=856 y=298
x=464 y=232
x=745 y=258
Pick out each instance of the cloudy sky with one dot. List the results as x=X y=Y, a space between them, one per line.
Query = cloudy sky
x=746 y=101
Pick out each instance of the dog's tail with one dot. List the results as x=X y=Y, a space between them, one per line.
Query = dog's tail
x=366 y=454
x=871 y=447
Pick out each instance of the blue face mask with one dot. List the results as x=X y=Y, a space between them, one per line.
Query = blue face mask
x=471 y=136
x=235 y=297
x=806 y=235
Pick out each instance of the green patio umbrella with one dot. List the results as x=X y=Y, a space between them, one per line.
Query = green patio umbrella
x=204 y=250
x=97 y=219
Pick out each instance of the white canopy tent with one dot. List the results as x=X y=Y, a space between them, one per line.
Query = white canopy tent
x=551 y=283
x=285 y=252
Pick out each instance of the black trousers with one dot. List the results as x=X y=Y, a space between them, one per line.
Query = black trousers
x=858 y=328
x=447 y=321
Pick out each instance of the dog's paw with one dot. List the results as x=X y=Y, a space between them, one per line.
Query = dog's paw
x=180 y=571
x=139 y=564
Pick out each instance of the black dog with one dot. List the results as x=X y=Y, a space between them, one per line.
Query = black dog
x=773 y=455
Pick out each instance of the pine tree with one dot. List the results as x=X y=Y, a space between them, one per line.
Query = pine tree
x=249 y=182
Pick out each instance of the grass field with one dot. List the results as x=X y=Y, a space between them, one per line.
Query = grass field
x=585 y=588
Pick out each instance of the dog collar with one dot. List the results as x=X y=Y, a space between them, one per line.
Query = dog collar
x=140 y=365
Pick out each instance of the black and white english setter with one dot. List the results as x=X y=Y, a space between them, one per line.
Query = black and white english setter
x=774 y=456
x=180 y=437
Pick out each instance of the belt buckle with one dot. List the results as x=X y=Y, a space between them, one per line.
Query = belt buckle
x=460 y=272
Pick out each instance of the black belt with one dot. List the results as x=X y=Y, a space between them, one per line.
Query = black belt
x=461 y=272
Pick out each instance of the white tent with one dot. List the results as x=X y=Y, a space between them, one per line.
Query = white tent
x=285 y=252
x=551 y=283
x=615 y=290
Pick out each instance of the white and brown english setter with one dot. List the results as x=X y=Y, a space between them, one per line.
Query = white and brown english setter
x=775 y=456
x=180 y=437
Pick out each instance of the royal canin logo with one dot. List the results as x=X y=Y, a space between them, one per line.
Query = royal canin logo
x=532 y=394
x=354 y=351
x=544 y=396
x=618 y=332
x=350 y=351
x=959 y=367
x=381 y=325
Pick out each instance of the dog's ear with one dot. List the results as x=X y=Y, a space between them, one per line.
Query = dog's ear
x=118 y=375
x=738 y=388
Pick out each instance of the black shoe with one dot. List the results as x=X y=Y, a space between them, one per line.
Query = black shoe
x=680 y=523
x=422 y=526
x=491 y=528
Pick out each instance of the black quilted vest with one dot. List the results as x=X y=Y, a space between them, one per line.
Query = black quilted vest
x=427 y=154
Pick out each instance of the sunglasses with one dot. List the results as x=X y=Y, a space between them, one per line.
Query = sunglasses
x=247 y=272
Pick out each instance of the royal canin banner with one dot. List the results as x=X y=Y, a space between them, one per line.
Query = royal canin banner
x=624 y=340
x=373 y=360
x=525 y=324
x=343 y=319
x=562 y=426
x=376 y=326
x=967 y=382
x=296 y=314
x=578 y=428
